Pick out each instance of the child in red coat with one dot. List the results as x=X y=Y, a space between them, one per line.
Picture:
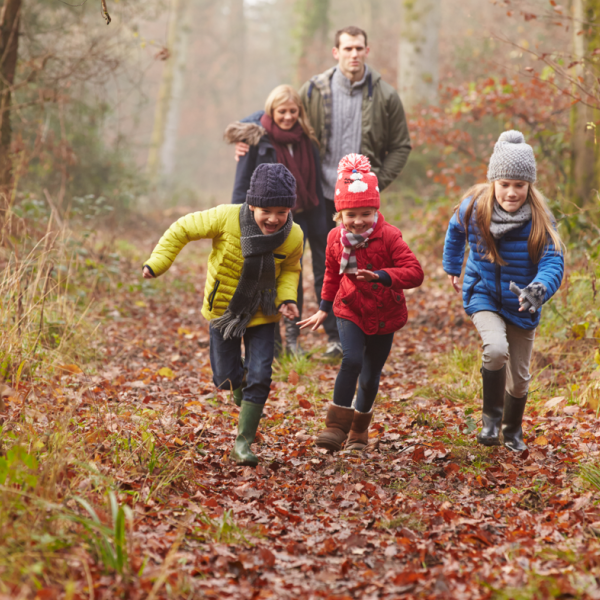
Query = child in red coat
x=368 y=264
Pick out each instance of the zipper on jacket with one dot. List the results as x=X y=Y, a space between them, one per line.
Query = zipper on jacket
x=211 y=298
x=499 y=286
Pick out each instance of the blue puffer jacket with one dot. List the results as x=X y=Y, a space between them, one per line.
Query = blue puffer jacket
x=485 y=285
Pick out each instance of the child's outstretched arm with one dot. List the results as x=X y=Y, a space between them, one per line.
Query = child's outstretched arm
x=406 y=271
x=454 y=251
x=195 y=226
x=331 y=285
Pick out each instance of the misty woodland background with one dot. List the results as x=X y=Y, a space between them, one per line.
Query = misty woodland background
x=113 y=477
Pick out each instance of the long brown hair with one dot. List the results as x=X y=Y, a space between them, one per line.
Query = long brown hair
x=543 y=232
x=286 y=93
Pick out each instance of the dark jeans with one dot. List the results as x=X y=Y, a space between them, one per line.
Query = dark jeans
x=227 y=367
x=364 y=357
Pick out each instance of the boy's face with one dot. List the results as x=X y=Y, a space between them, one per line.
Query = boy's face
x=270 y=219
x=358 y=220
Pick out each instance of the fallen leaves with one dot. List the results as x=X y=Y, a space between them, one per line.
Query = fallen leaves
x=422 y=512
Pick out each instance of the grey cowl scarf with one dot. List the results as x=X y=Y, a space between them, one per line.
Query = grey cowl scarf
x=503 y=221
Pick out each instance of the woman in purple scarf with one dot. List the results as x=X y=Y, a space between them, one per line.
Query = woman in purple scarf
x=282 y=134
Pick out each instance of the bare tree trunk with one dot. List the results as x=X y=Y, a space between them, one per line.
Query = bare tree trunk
x=168 y=152
x=311 y=35
x=237 y=29
x=585 y=144
x=165 y=94
x=10 y=14
x=418 y=74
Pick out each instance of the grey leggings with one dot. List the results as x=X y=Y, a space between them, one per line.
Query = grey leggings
x=506 y=344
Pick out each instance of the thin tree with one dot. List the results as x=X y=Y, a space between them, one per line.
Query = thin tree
x=10 y=15
x=311 y=34
x=175 y=46
x=585 y=117
x=418 y=72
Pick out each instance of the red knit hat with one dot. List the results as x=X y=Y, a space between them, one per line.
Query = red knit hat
x=356 y=186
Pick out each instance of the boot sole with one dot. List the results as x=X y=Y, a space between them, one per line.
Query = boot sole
x=355 y=447
x=489 y=441
x=515 y=450
x=328 y=445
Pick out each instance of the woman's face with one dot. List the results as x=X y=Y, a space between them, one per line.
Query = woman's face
x=286 y=115
x=358 y=220
x=511 y=194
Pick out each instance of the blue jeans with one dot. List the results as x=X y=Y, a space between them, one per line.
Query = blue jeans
x=364 y=357
x=228 y=369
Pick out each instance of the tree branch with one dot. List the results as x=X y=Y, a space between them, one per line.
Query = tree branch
x=105 y=12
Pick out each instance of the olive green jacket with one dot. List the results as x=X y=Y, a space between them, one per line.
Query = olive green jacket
x=385 y=138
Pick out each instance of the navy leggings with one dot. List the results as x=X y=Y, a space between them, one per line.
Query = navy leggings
x=364 y=357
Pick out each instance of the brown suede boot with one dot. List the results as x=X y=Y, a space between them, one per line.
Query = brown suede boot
x=359 y=432
x=337 y=425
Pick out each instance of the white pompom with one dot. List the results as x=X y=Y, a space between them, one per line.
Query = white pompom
x=512 y=137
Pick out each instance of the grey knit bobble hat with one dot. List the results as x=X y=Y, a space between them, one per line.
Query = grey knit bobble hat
x=272 y=185
x=512 y=158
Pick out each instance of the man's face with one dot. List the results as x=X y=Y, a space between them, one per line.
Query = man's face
x=270 y=219
x=351 y=54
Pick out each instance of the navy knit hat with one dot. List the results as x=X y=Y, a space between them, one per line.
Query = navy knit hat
x=272 y=185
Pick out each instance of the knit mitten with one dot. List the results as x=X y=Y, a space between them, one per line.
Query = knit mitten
x=531 y=297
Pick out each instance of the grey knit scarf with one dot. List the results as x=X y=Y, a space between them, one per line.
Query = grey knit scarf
x=257 y=286
x=503 y=221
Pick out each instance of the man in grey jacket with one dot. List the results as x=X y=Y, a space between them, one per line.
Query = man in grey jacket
x=351 y=110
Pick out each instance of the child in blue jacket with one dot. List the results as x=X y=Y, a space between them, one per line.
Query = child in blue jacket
x=512 y=238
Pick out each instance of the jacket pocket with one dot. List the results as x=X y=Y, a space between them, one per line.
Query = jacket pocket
x=348 y=300
x=469 y=292
x=211 y=298
x=398 y=297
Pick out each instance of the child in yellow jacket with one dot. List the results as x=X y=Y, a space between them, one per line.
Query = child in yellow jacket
x=253 y=272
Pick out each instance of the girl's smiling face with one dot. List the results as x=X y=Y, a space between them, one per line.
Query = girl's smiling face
x=511 y=194
x=358 y=220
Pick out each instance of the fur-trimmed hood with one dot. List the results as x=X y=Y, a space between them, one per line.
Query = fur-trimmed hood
x=250 y=133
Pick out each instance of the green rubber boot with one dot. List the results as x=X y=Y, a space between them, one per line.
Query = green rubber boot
x=247 y=425
x=238 y=396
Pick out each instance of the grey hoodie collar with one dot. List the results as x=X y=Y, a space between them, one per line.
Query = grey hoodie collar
x=342 y=83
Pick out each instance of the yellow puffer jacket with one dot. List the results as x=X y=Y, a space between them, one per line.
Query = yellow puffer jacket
x=222 y=225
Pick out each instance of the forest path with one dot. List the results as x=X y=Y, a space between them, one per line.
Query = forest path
x=426 y=513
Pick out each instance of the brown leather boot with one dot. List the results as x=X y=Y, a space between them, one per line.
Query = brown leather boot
x=359 y=432
x=337 y=425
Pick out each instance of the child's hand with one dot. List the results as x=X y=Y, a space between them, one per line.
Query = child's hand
x=289 y=310
x=241 y=149
x=364 y=275
x=316 y=321
x=454 y=280
x=147 y=274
